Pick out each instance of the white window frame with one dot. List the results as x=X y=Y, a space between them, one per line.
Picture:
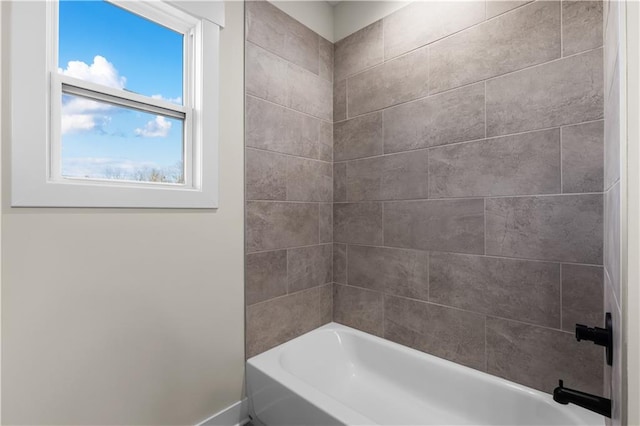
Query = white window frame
x=36 y=111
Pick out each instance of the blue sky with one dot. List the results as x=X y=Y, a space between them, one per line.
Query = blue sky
x=102 y=43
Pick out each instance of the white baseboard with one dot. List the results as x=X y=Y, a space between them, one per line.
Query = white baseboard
x=234 y=415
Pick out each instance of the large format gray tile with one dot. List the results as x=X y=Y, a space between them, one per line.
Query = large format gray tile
x=455 y=116
x=309 y=267
x=359 y=51
x=421 y=23
x=358 y=137
x=309 y=180
x=612 y=236
x=581 y=26
x=273 y=225
x=612 y=46
x=524 y=37
x=326 y=222
x=274 y=79
x=528 y=163
x=274 y=128
x=582 y=296
x=583 y=158
x=269 y=27
x=340 y=100
x=557 y=93
x=339 y=182
x=612 y=132
x=516 y=289
x=392 y=271
x=358 y=308
x=538 y=357
x=447 y=333
x=559 y=228
x=357 y=223
x=266 y=175
x=498 y=7
x=309 y=93
x=278 y=320
x=391 y=177
x=443 y=225
x=326 y=141
x=399 y=80
x=340 y=263
x=326 y=59
x=326 y=304
x=266 y=275
x=266 y=75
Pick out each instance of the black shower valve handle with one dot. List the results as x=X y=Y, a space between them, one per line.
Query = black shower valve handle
x=599 y=336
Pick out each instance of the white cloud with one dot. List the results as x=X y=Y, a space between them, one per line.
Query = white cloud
x=80 y=114
x=177 y=100
x=77 y=123
x=157 y=128
x=100 y=71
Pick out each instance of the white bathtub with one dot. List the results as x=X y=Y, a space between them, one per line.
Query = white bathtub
x=336 y=375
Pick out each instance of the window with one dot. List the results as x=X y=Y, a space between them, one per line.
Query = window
x=129 y=119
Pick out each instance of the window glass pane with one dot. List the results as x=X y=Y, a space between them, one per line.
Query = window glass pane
x=104 y=44
x=103 y=141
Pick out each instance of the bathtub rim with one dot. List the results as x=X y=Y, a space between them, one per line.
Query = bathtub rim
x=269 y=363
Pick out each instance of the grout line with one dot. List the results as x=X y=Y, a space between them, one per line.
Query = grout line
x=470 y=197
x=485 y=109
x=489 y=78
x=289 y=61
x=484 y=214
x=251 y=95
x=286 y=254
x=490 y=138
x=282 y=296
x=484 y=315
x=561 y=29
x=438 y=39
x=346 y=264
x=287 y=248
x=288 y=201
x=486 y=355
x=561 y=307
x=489 y=256
x=561 y=168
x=319 y=220
x=346 y=99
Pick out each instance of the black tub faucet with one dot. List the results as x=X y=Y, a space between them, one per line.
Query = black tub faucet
x=593 y=403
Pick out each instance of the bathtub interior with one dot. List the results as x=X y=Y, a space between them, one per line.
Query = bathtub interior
x=390 y=384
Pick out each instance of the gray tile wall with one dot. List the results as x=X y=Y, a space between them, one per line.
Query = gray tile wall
x=448 y=179
x=468 y=185
x=614 y=54
x=289 y=178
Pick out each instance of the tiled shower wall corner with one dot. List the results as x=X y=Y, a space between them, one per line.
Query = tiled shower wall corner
x=468 y=185
x=289 y=178
x=462 y=190
x=613 y=64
